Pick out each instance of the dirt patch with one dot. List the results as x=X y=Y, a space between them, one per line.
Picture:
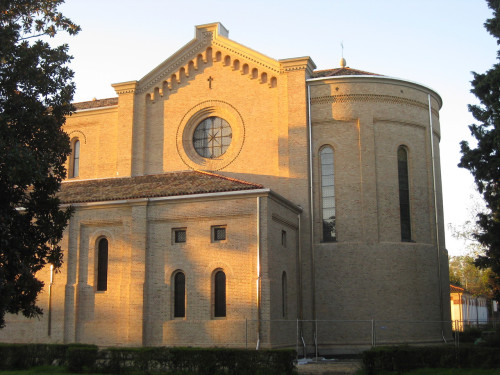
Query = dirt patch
x=330 y=367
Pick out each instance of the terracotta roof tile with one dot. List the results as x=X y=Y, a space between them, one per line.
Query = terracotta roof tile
x=160 y=185
x=456 y=289
x=341 y=72
x=97 y=103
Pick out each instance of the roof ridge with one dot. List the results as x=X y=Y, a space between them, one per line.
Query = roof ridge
x=342 y=71
x=228 y=178
x=96 y=100
x=96 y=103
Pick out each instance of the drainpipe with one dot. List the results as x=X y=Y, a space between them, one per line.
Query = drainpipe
x=436 y=214
x=311 y=203
x=259 y=280
x=299 y=288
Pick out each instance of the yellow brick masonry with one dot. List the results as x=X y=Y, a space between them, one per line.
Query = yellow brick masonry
x=368 y=273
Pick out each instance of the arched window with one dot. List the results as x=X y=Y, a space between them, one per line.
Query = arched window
x=219 y=294
x=75 y=159
x=404 y=194
x=327 y=194
x=102 y=265
x=179 y=295
x=284 y=297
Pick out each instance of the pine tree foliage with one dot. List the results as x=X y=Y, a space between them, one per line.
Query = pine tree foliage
x=36 y=91
x=483 y=161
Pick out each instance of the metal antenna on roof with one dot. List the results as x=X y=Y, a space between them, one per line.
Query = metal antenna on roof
x=342 y=60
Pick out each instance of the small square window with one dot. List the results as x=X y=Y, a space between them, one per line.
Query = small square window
x=219 y=234
x=283 y=238
x=179 y=235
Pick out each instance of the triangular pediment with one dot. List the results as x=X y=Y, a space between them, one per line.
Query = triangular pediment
x=211 y=44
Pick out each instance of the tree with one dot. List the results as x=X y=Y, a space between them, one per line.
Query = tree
x=463 y=270
x=464 y=273
x=35 y=97
x=467 y=230
x=483 y=161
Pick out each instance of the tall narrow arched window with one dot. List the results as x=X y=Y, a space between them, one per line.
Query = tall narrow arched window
x=284 y=296
x=102 y=265
x=75 y=159
x=220 y=294
x=404 y=194
x=179 y=295
x=327 y=194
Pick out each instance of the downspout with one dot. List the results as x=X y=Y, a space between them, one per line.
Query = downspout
x=436 y=214
x=259 y=287
x=311 y=204
x=311 y=225
x=299 y=275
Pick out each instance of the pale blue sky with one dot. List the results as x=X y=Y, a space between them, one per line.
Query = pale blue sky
x=433 y=42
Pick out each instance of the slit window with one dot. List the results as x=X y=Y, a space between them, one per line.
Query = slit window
x=328 y=195
x=220 y=294
x=102 y=265
x=75 y=159
x=283 y=295
x=179 y=295
x=404 y=194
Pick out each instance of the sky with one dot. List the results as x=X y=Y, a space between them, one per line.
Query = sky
x=437 y=43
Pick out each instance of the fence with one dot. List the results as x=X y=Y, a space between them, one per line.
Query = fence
x=319 y=337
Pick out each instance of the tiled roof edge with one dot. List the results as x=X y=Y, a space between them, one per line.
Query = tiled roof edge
x=97 y=103
x=69 y=202
x=207 y=189
x=259 y=186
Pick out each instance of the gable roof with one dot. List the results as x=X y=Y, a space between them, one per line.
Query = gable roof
x=346 y=71
x=160 y=185
x=213 y=37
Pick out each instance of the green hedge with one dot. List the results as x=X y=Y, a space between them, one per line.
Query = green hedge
x=82 y=358
x=89 y=358
x=196 y=361
x=404 y=358
x=469 y=335
x=23 y=356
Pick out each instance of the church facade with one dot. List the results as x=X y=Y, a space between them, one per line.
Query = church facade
x=231 y=199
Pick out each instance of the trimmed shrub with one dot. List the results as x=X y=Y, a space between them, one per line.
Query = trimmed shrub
x=202 y=361
x=24 y=356
x=13 y=357
x=469 y=335
x=404 y=358
x=82 y=358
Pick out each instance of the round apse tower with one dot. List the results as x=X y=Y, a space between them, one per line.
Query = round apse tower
x=380 y=263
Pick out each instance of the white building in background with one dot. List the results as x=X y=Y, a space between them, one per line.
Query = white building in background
x=467 y=310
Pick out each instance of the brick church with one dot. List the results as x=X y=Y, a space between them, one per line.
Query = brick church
x=231 y=199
